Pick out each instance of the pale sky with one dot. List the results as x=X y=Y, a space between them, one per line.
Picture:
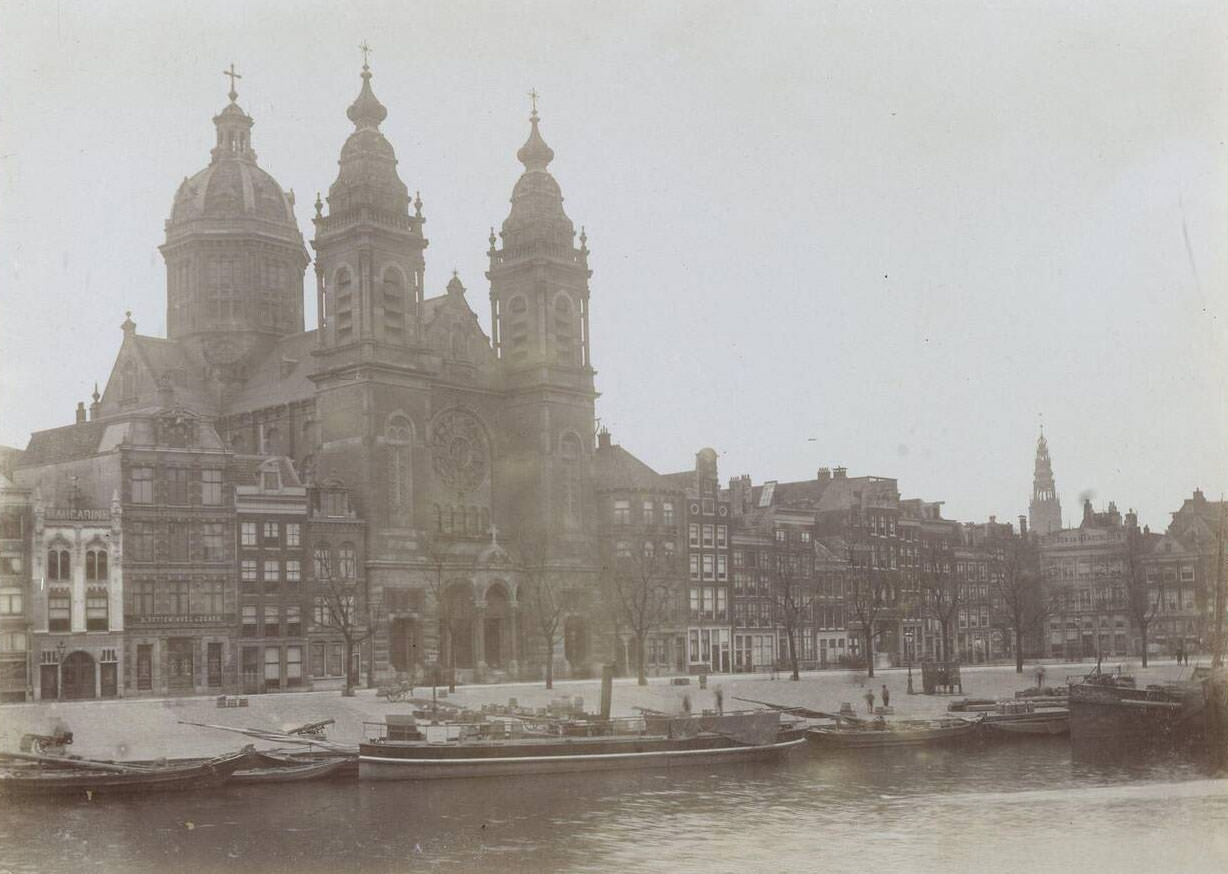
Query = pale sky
x=880 y=235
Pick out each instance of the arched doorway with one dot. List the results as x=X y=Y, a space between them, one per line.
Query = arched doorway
x=459 y=600
x=496 y=638
x=404 y=648
x=575 y=641
x=77 y=674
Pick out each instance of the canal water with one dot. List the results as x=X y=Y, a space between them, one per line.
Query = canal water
x=1027 y=806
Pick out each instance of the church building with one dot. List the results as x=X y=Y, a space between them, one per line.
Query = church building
x=459 y=452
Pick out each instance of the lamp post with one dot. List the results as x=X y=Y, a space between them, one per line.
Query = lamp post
x=908 y=650
x=60 y=649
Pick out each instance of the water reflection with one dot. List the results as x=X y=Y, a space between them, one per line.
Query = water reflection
x=924 y=809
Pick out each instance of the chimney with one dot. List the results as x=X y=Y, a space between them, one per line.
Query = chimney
x=739 y=494
x=603 y=439
x=839 y=472
x=824 y=474
x=80 y=412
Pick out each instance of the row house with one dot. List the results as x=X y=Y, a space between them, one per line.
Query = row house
x=979 y=633
x=786 y=583
x=862 y=514
x=1084 y=570
x=1182 y=568
x=342 y=607
x=709 y=632
x=78 y=618
x=270 y=511
x=641 y=526
x=16 y=526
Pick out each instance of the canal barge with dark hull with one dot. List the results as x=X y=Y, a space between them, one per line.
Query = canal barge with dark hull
x=36 y=775
x=513 y=748
x=1107 y=706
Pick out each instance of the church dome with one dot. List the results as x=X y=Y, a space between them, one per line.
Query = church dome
x=367 y=170
x=233 y=186
x=537 y=200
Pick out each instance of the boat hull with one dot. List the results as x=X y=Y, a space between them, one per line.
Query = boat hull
x=393 y=760
x=1103 y=712
x=66 y=780
x=870 y=738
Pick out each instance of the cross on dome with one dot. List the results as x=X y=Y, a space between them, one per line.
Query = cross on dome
x=233 y=95
x=366 y=50
x=533 y=95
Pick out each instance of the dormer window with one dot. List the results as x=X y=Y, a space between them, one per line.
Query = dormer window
x=270 y=481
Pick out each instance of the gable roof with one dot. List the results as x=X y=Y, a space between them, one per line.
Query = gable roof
x=280 y=377
x=616 y=468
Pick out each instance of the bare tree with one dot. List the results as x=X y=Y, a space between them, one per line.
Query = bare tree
x=1141 y=601
x=438 y=557
x=940 y=592
x=793 y=595
x=541 y=593
x=342 y=608
x=867 y=594
x=638 y=586
x=1019 y=588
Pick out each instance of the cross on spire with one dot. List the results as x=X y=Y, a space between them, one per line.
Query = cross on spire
x=234 y=95
x=366 y=50
x=533 y=95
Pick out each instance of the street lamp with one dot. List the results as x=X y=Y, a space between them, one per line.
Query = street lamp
x=908 y=650
x=60 y=649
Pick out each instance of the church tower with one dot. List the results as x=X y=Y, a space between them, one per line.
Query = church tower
x=539 y=299
x=234 y=255
x=1045 y=511
x=369 y=246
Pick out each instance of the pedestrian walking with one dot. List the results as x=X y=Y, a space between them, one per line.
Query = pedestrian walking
x=886 y=696
x=870 y=701
x=686 y=704
x=1040 y=676
x=720 y=701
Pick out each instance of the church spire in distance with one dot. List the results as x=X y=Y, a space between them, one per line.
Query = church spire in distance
x=1045 y=510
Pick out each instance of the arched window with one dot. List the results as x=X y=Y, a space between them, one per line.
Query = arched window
x=394 y=304
x=344 y=307
x=322 y=562
x=96 y=565
x=59 y=566
x=398 y=434
x=564 y=331
x=347 y=561
x=569 y=455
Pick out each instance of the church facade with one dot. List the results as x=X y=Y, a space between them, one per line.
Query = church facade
x=461 y=453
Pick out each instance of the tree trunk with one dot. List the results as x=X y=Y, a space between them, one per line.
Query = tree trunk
x=550 y=662
x=946 y=641
x=641 y=668
x=1018 y=650
x=1143 y=631
x=793 y=653
x=348 y=691
x=869 y=636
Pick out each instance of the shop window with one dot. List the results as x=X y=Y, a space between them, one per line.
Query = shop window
x=96 y=610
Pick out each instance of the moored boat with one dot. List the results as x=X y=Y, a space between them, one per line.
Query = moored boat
x=296 y=769
x=650 y=741
x=1040 y=723
x=1111 y=706
x=51 y=776
x=880 y=733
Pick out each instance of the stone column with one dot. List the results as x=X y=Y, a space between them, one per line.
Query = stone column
x=479 y=638
x=513 y=620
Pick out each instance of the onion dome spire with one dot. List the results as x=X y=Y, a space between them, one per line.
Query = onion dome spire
x=535 y=154
x=366 y=110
